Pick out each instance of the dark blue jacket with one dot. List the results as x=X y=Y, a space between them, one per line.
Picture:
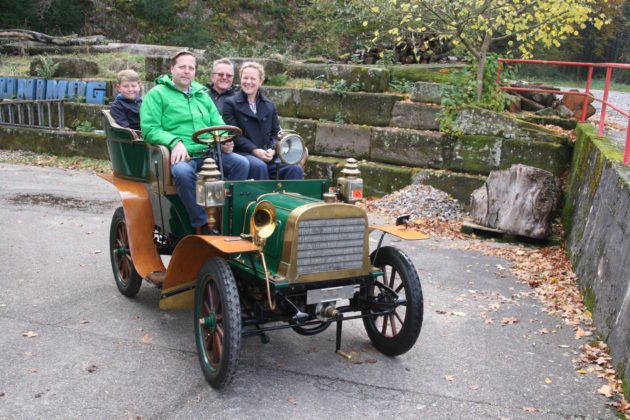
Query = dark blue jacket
x=260 y=130
x=126 y=113
x=220 y=98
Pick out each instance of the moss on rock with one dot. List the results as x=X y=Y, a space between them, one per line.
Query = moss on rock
x=407 y=147
x=439 y=73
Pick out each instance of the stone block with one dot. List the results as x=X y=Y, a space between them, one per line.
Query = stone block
x=307 y=129
x=407 y=147
x=438 y=73
x=72 y=67
x=427 y=92
x=552 y=157
x=369 y=79
x=61 y=143
x=321 y=167
x=475 y=154
x=342 y=140
x=75 y=113
x=380 y=179
x=457 y=185
x=489 y=123
x=155 y=66
x=415 y=116
x=354 y=108
x=286 y=100
x=315 y=71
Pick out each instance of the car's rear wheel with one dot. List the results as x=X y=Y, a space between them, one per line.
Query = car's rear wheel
x=394 y=334
x=217 y=322
x=127 y=278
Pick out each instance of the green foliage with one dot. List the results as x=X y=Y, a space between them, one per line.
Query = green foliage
x=46 y=68
x=339 y=118
x=340 y=87
x=461 y=89
x=85 y=126
x=401 y=85
x=278 y=80
x=54 y=17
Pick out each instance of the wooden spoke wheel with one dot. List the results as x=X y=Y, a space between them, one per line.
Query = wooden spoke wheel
x=127 y=278
x=394 y=334
x=217 y=322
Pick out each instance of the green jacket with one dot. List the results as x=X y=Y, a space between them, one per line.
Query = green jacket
x=168 y=113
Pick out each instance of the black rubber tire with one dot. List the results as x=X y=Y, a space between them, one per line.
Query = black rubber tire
x=312 y=329
x=218 y=347
x=127 y=278
x=395 y=334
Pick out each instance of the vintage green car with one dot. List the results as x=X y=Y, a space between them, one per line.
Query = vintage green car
x=288 y=254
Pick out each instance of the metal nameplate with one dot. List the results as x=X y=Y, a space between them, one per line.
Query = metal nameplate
x=330 y=294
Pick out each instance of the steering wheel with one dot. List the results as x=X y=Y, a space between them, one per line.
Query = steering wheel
x=220 y=134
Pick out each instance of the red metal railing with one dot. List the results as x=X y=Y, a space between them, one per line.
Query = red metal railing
x=585 y=94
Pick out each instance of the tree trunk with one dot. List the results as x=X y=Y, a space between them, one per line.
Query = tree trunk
x=521 y=200
x=481 y=64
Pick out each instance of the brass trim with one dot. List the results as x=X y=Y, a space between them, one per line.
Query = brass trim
x=319 y=210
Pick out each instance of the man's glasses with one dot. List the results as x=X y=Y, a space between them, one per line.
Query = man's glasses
x=226 y=75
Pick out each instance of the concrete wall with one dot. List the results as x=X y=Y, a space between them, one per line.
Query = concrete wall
x=597 y=218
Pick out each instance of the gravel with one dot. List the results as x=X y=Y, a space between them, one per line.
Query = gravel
x=419 y=201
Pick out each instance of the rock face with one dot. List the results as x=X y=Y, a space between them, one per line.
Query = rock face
x=69 y=67
x=520 y=200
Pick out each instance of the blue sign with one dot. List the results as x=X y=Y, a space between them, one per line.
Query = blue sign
x=95 y=93
x=8 y=87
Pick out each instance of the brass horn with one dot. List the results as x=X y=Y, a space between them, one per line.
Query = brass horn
x=263 y=222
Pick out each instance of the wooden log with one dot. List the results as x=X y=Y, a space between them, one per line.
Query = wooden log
x=521 y=200
x=26 y=35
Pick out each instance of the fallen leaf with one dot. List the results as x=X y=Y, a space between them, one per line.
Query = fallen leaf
x=547 y=380
x=509 y=320
x=30 y=334
x=84 y=321
x=579 y=333
x=529 y=409
x=372 y=360
x=91 y=368
x=582 y=371
x=32 y=370
x=449 y=377
x=1 y=394
x=474 y=387
x=606 y=390
x=489 y=320
x=146 y=339
x=291 y=400
x=97 y=251
x=544 y=331
x=456 y=313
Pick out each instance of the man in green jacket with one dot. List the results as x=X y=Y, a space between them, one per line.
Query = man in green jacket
x=171 y=112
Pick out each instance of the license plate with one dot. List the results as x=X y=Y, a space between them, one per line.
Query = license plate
x=329 y=294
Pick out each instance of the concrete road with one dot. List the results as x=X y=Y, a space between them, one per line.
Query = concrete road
x=98 y=354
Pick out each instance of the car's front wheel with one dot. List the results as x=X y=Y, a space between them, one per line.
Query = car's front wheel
x=394 y=334
x=217 y=322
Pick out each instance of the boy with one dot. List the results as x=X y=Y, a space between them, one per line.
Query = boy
x=126 y=107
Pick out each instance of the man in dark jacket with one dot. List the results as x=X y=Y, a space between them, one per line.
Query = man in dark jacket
x=222 y=85
x=256 y=115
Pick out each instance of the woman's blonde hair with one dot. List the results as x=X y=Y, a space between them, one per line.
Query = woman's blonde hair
x=253 y=65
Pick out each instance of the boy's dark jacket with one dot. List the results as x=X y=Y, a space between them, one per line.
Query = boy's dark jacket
x=126 y=113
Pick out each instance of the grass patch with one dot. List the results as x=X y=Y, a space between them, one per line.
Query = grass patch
x=109 y=64
x=64 y=162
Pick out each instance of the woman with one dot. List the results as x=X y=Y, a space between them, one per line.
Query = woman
x=256 y=115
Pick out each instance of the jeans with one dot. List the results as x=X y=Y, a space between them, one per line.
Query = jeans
x=185 y=175
x=258 y=169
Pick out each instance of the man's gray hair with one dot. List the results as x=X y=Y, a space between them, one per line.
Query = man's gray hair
x=222 y=61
